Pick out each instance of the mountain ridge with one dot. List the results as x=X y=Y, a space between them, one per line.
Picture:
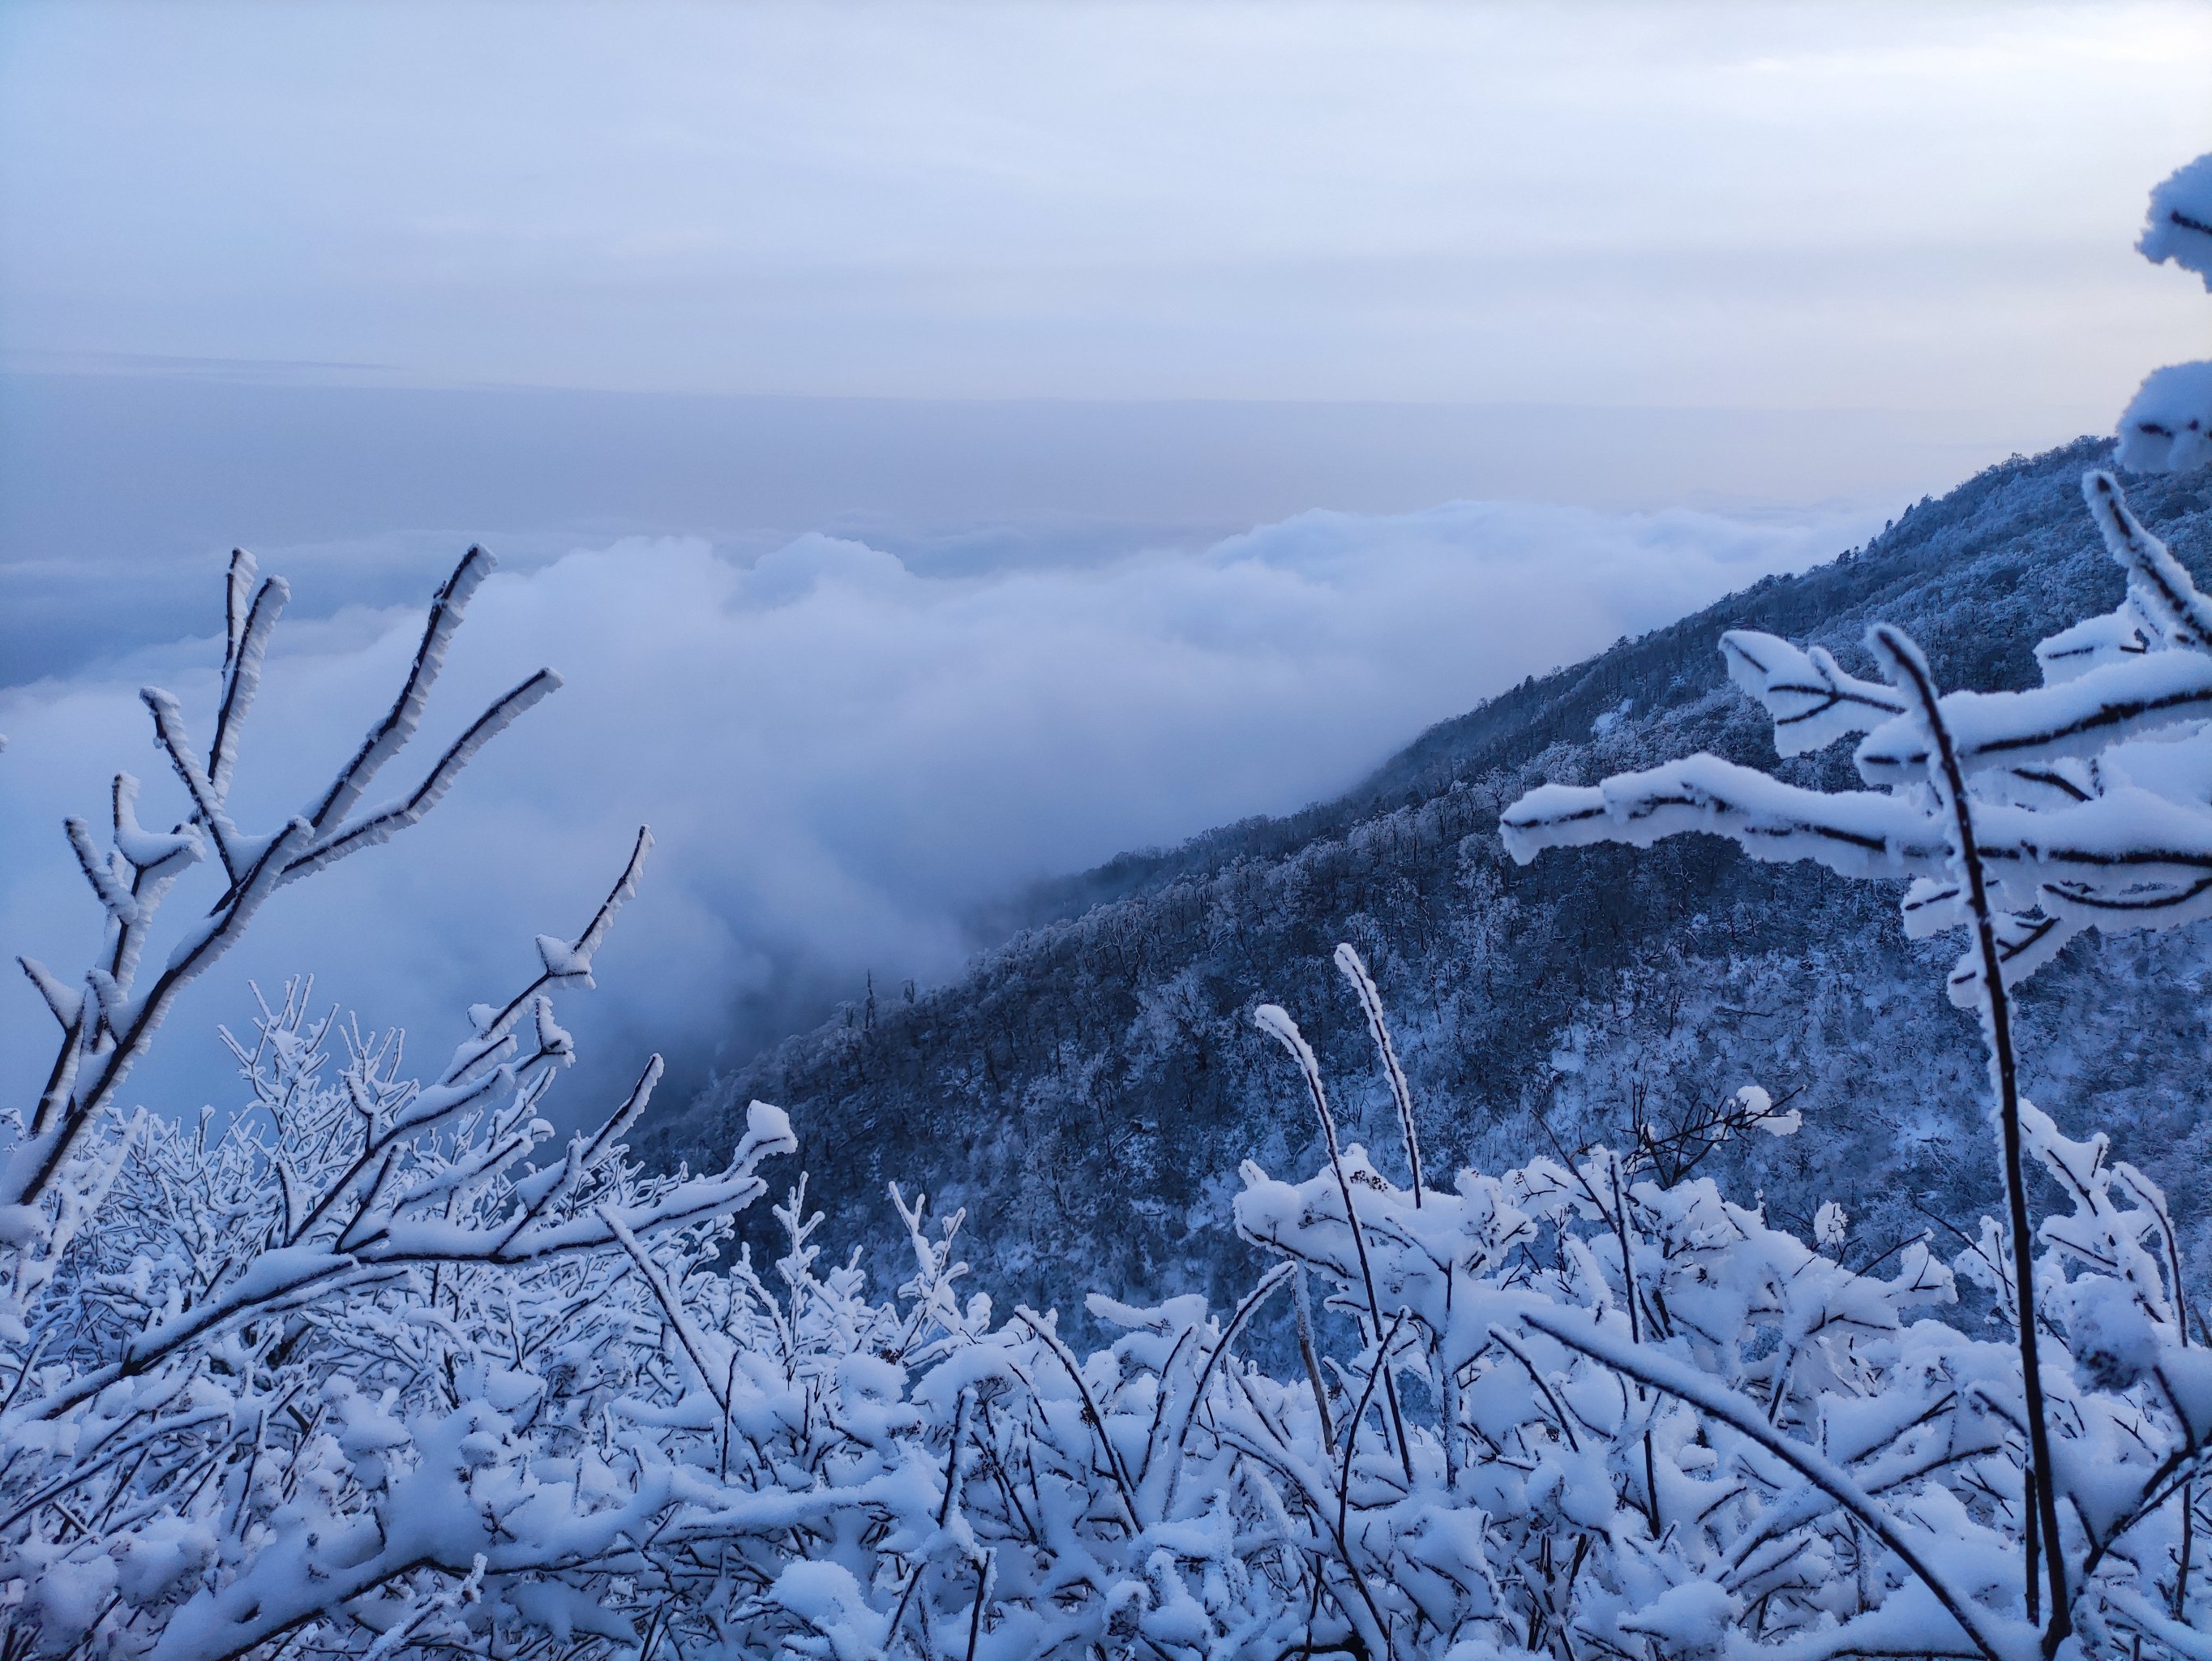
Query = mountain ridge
x=1088 y=1089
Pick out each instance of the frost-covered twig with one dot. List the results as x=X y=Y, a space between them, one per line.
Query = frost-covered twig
x=1918 y=1554
x=1275 y=1021
x=101 y=1044
x=1349 y=964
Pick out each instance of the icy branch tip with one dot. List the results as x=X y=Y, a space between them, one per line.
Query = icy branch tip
x=770 y=1129
x=1275 y=1021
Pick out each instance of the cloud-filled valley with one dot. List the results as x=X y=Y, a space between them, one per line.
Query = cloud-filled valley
x=841 y=758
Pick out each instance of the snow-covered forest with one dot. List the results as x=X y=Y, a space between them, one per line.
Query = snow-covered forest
x=380 y=1364
x=1090 y=1088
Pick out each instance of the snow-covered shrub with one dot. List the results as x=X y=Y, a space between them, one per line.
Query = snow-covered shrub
x=2021 y=819
x=377 y=1367
x=360 y=1360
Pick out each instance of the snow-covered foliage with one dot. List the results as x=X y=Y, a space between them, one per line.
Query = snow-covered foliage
x=2089 y=792
x=267 y=1376
x=2178 y=227
x=380 y=1366
x=2167 y=428
x=2168 y=425
x=2021 y=819
x=355 y=1374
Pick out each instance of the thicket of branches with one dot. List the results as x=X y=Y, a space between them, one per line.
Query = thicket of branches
x=380 y=1365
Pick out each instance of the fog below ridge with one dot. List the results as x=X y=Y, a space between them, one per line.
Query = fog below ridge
x=843 y=753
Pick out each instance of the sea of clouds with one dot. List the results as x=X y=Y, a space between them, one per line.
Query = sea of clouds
x=842 y=757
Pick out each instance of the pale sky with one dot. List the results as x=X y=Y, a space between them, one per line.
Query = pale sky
x=1809 y=207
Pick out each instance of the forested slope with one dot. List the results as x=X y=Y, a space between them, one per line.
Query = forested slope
x=1089 y=1089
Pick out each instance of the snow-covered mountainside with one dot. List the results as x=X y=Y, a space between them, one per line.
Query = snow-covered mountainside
x=1089 y=1089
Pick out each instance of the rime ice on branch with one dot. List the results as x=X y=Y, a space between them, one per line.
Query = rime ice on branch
x=2168 y=427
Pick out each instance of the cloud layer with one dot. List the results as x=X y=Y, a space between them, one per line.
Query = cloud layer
x=839 y=757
